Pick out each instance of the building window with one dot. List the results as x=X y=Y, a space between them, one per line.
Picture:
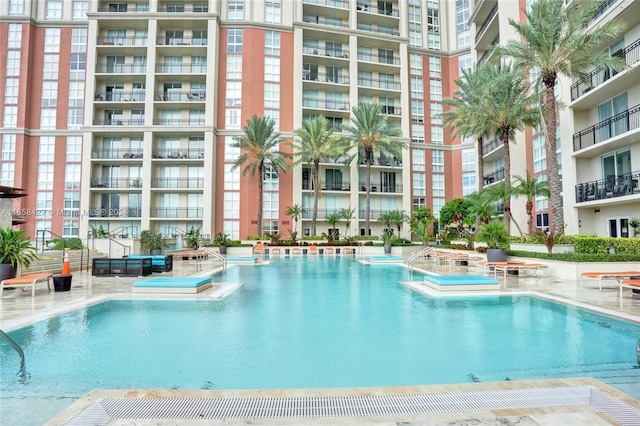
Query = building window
x=234 y=67
x=50 y=69
x=272 y=11
x=417 y=110
x=10 y=118
x=433 y=41
x=437 y=161
x=231 y=205
x=16 y=7
x=70 y=228
x=72 y=176
x=416 y=64
x=53 y=9
x=231 y=178
x=11 y=90
x=435 y=88
x=539 y=153
x=74 y=118
x=79 y=40
x=436 y=113
x=45 y=176
x=272 y=95
x=271 y=178
x=419 y=186
x=48 y=118
x=417 y=133
x=80 y=8
x=46 y=149
x=232 y=118
x=272 y=43
x=465 y=62
x=436 y=135
x=14 y=38
x=76 y=93
x=435 y=67
x=234 y=93
x=13 y=63
x=74 y=149
x=234 y=40
x=271 y=68
x=8 y=147
x=7 y=173
x=415 y=38
x=44 y=204
x=418 y=159
x=235 y=11
x=49 y=93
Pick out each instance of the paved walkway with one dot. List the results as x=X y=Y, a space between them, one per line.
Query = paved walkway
x=18 y=308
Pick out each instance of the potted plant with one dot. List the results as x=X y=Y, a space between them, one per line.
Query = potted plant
x=222 y=241
x=153 y=241
x=497 y=238
x=193 y=237
x=387 y=238
x=15 y=249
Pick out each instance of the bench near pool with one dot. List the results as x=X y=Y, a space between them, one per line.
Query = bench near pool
x=184 y=285
x=461 y=282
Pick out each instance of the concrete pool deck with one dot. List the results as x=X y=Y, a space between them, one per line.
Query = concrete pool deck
x=18 y=308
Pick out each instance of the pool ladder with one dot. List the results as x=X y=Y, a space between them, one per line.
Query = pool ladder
x=218 y=256
x=15 y=346
x=417 y=255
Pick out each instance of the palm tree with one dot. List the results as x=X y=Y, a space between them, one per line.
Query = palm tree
x=553 y=40
x=370 y=132
x=502 y=193
x=313 y=142
x=295 y=211
x=530 y=187
x=510 y=107
x=333 y=219
x=348 y=215
x=398 y=218
x=259 y=149
x=482 y=207
x=385 y=218
x=467 y=118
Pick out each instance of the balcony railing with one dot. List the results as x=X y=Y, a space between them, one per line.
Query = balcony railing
x=614 y=126
x=119 y=122
x=379 y=29
x=328 y=185
x=362 y=7
x=181 y=41
x=325 y=104
x=390 y=110
x=115 y=212
x=123 y=8
x=322 y=213
x=485 y=24
x=121 y=41
x=178 y=121
x=178 y=182
x=324 y=77
x=116 y=153
x=181 y=8
x=383 y=161
x=116 y=182
x=181 y=96
x=119 y=95
x=612 y=187
x=373 y=214
x=604 y=6
x=631 y=55
x=332 y=3
x=176 y=212
x=495 y=176
x=189 y=153
x=121 y=68
x=332 y=53
x=381 y=187
x=324 y=21
x=171 y=68
x=379 y=84
x=384 y=59
x=492 y=145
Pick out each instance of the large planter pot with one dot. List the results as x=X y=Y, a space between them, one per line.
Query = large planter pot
x=155 y=252
x=62 y=282
x=387 y=248
x=7 y=271
x=496 y=255
x=223 y=249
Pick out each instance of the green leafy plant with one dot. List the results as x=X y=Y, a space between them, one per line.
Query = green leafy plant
x=152 y=240
x=71 y=244
x=634 y=223
x=98 y=232
x=221 y=239
x=15 y=248
x=495 y=234
x=193 y=237
x=387 y=236
x=549 y=239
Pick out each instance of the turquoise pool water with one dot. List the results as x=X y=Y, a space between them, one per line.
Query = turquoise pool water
x=309 y=322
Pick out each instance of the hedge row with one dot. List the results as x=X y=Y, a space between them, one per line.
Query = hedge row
x=579 y=257
x=593 y=245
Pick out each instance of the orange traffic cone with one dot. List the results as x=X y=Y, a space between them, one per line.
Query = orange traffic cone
x=66 y=268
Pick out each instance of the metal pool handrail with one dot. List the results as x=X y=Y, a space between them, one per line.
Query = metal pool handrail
x=418 y=254
x=15 y=346
x=216 y=255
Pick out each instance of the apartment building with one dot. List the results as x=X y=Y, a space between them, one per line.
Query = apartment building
x=121 y=114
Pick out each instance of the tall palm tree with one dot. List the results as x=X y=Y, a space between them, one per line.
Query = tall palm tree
x=530 y=187
x=502 y=193
x=553 y=40
x=482 y=207
x=259 y=148
x=510 y=108
x=398 y=218
x=370 y=132
x=313 y=142
x=348 y=215
x=295 y=211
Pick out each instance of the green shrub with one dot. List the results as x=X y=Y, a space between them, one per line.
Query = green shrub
x=578 y=257
x=591 y=245
x=71 y=244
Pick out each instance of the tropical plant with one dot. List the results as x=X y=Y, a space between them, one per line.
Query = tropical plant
x=500 y=193
x=553 y=40
x=549 y=239
x=385 y=219
x=387 y=236
x=313 y=142
x=510 y=107
x=398 y=218
x=333 y=219
x=420 y=224
x=495 y=234
x=221 y=239
x=634 y=223
x=259 y=150
x=62 y=243
x=193 y=237
x=421 y=231
x=98 y=231
x=455 y=210
x=295 y=212
x=15 y=248
x=347 y=214
x=152 y=240
x=530 y=187
x=370 y=132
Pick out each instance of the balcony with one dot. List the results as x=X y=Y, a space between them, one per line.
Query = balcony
x=173 y=68
x=115 y=212
x=383 y=59
x=177 y=212
x=491 y=146
x=386 y=11
x=331 y=3
x=332 y=53
x=178 y=122
x=380 y=29
x=181 y=96
x=612 y=187
x=607 y=129
x=391 y=110
x=121 y=41
x=130 y=68
x=181 y=41
x=493 y=177
x=177 y=182
x=322 y=213
x=487 y=22
x=383 y=161
x=328 y=185
x=324 y=21
x=103 y=182
x=604 y=6
x=181 y=8
x=171 y=153
x=120 y=96
x=388 y=188
x=119 y=122
x=597 y=77
x=116 y=153
x=325 y=104
x=324 y=77
x=373 y=214
x=379 y=84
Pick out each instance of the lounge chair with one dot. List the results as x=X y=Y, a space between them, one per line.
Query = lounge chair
x=633 y=283
x=609 y=275
x=505 y=267
x=259 y=248
x=313 y=249
x=27 y=280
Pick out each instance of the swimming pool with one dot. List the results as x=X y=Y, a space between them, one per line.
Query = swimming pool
x=311 y=322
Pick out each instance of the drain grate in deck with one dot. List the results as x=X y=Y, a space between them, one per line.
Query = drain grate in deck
x=105 y=410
